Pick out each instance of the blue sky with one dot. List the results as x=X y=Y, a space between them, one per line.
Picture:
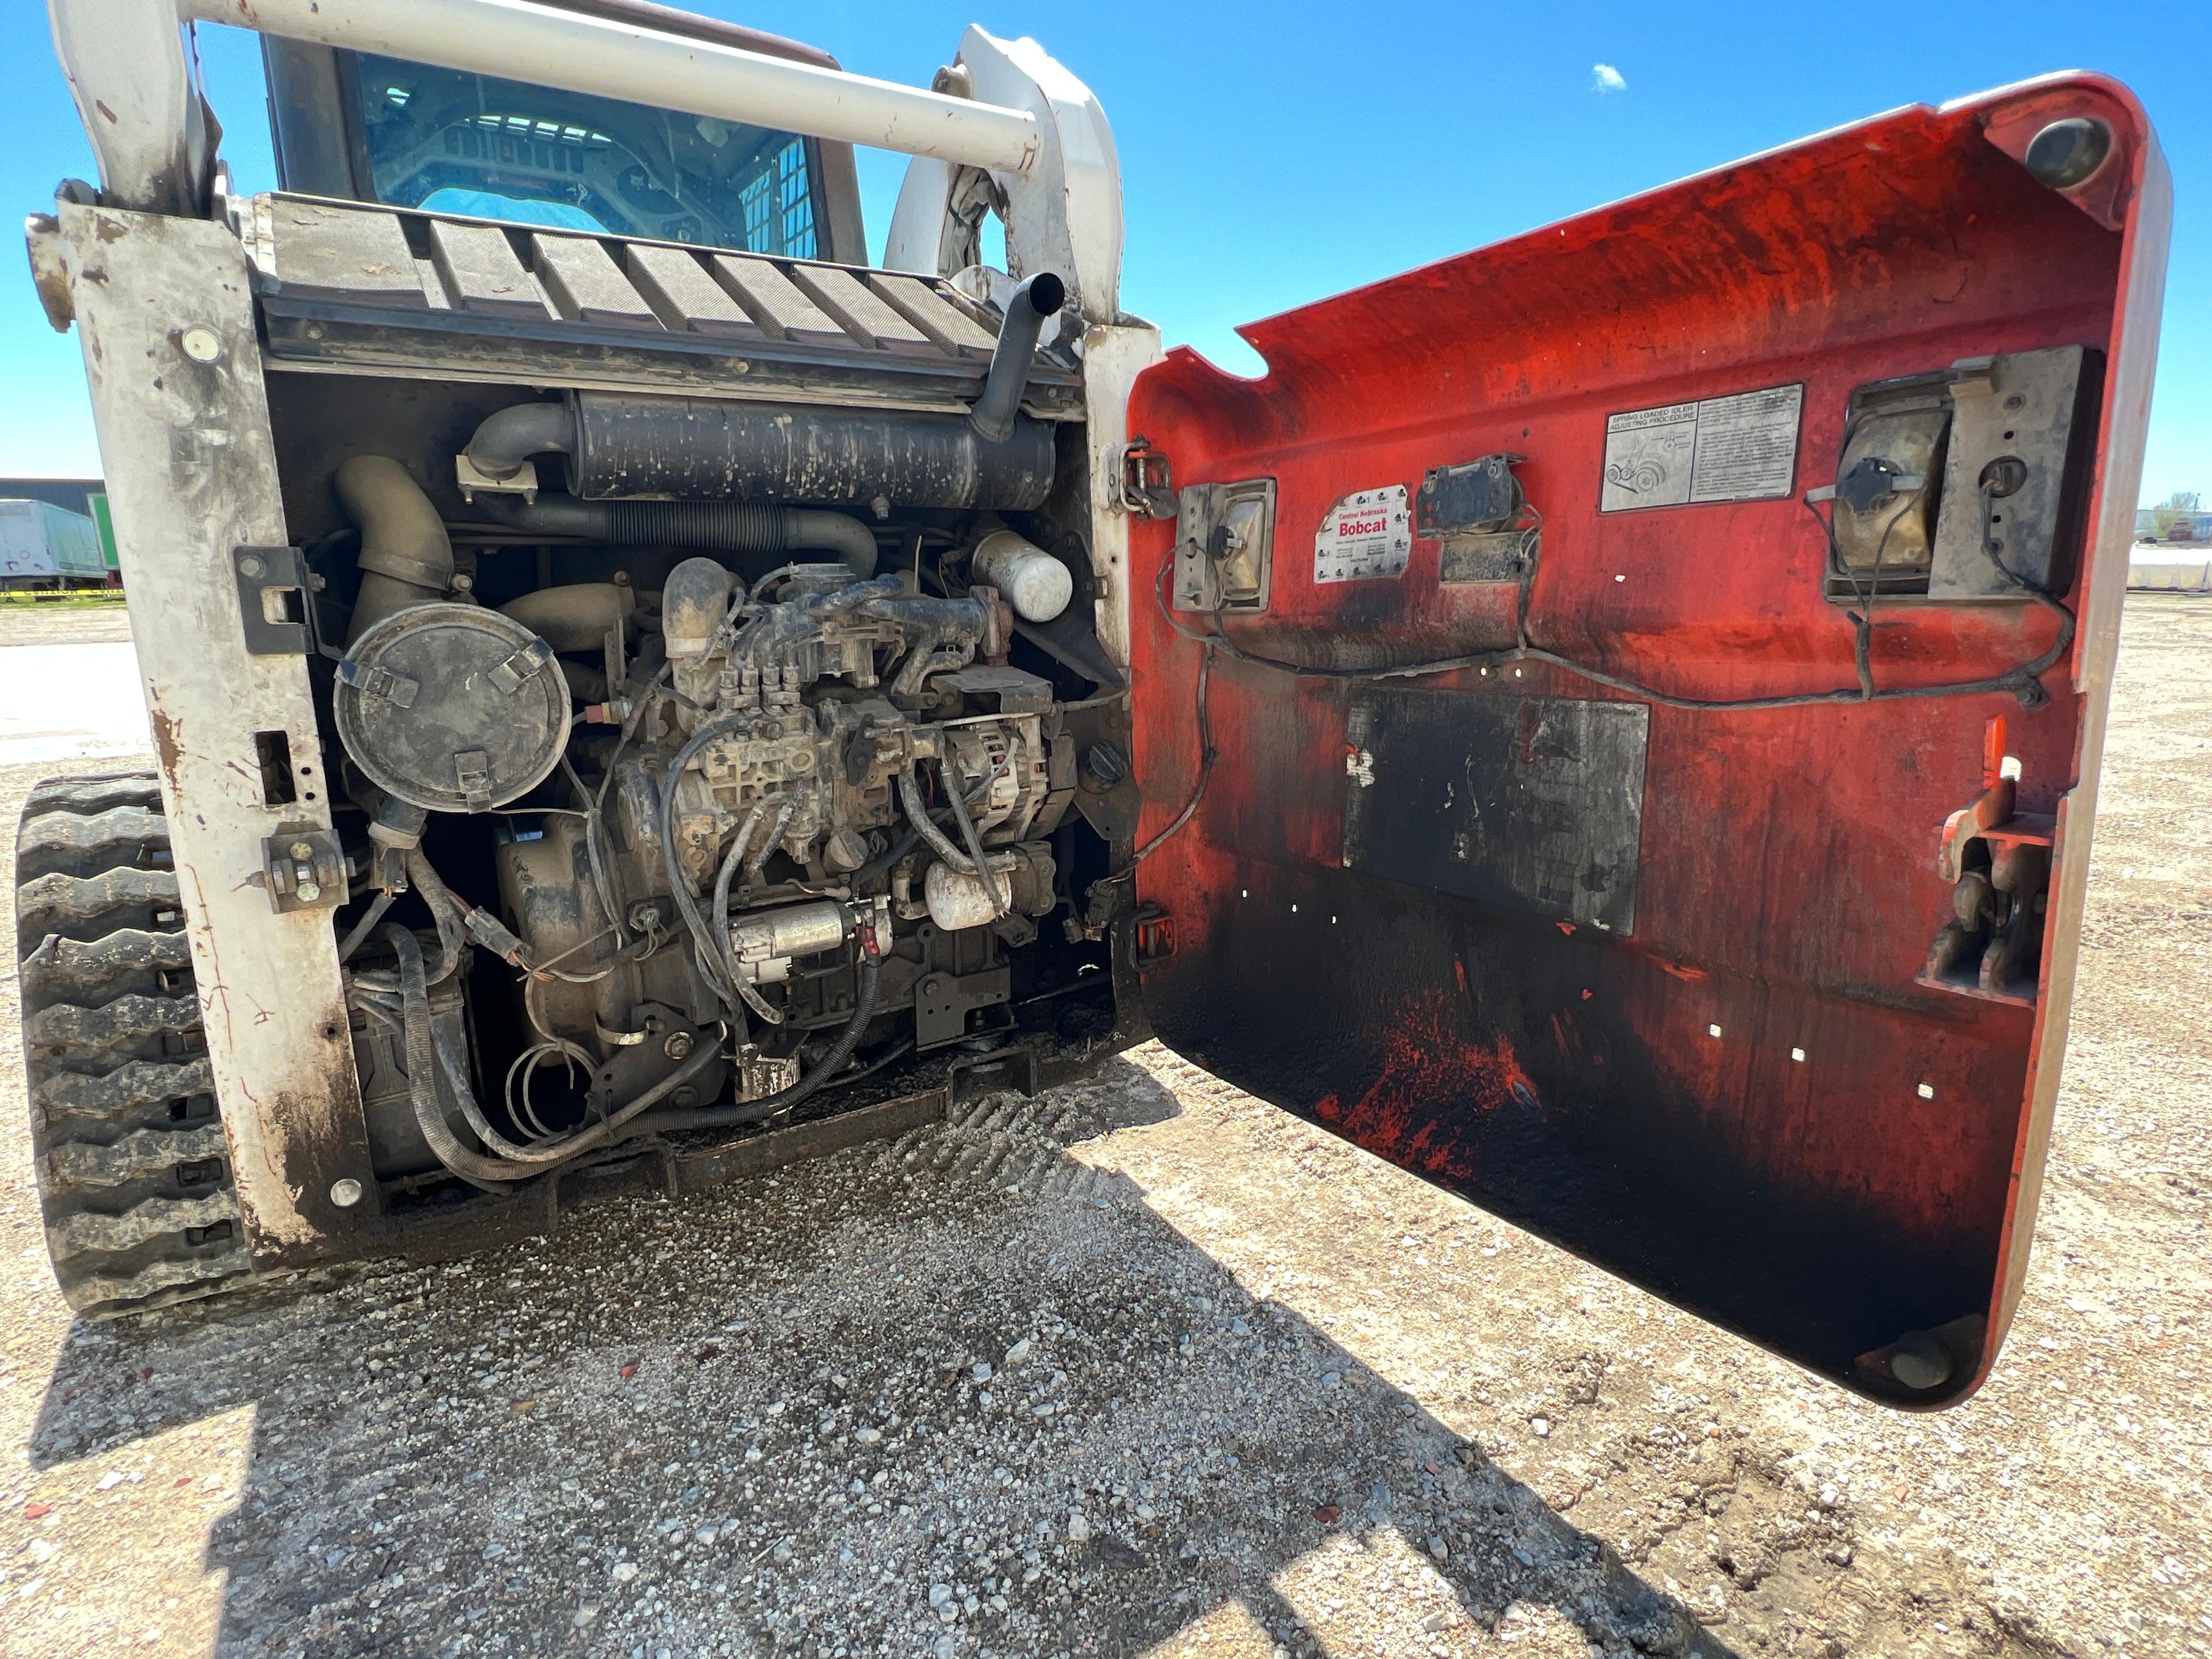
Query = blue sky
x=1276 y=154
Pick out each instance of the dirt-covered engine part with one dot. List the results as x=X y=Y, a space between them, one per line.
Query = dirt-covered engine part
x=621 y=445
x=452 y=708
x=827 y=780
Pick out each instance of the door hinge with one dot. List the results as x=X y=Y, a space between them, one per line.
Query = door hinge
x=1155 y=933
x=303 y=868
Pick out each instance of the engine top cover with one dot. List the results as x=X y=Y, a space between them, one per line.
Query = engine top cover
x=452 y=707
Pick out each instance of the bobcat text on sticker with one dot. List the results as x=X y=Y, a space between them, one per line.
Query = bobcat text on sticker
x=1365 y=535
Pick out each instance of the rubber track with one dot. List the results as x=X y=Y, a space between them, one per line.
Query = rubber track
x=140 y=1152
x=109 y=1153
x=77 y=833
x=94 y=795
x=45 y=900
x=159 y=1283
x=135 y=1084
x=66 y=1025
x=79 y=965
x=88 y=1229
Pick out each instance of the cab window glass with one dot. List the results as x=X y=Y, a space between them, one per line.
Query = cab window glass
x=451 y=142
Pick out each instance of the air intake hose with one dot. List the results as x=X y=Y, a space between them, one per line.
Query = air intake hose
x=405 y=557
x=715 y=527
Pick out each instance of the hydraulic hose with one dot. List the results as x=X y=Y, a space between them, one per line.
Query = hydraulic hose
x=720 y=526
x=984 y=873
x=446 y=912
x=909 y=794
x=425 y=1053
x=423 y=1072
x=702 y=942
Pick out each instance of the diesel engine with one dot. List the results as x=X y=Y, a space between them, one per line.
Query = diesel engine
x=678 y=812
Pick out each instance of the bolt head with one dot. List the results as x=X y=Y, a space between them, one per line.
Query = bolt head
x=678 y=1045
x=302 y=849
x=250 y=565
x=201 y=344
x=345 y=1191
x=308 y=891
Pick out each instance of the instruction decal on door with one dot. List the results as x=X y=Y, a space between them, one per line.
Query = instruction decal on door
x=1737 y=448
x=1365 y=535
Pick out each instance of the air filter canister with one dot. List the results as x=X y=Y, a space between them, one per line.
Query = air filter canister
x=452 y=706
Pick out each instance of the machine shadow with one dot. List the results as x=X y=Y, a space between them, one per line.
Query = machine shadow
x=799 y=1413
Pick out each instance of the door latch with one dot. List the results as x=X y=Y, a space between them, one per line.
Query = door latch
x=274 y=600
x=1147 y=490
x=1997 y=860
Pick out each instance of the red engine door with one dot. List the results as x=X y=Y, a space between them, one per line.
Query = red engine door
x=1643 y=927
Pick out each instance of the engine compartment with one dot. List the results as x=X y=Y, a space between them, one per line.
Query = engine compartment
x=700 y=766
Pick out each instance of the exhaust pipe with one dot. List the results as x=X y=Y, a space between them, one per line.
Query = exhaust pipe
x=1038 y=298
x=510 y=436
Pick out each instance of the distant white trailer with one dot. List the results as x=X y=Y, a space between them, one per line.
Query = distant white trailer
x=42 y=545
x=2168 y=575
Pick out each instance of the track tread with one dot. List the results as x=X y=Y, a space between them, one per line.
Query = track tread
x=73 y=1026
x=79 y=832
x=94 y=794
x=159 y=1283
x=130 y=1087
x=141 y=1155
x=100 y=1051
x=76 y=965
x=58 y=898
x=84 y=1231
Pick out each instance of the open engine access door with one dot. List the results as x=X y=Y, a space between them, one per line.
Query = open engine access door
x=1760 y=1006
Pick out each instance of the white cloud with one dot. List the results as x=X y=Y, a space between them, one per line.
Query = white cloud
x=1605 y=78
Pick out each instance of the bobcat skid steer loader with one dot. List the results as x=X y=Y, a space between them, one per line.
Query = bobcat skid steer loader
x=1610 y=722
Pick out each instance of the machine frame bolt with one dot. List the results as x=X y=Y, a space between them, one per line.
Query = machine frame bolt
x=346 y=1192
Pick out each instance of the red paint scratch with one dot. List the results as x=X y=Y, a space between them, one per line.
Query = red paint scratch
x=1432 y=1077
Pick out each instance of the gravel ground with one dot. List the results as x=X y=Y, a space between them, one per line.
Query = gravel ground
x=63 y=621
x=1145 y=1367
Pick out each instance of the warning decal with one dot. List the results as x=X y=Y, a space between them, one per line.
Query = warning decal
x=1737 y=448
x=1364 y=536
